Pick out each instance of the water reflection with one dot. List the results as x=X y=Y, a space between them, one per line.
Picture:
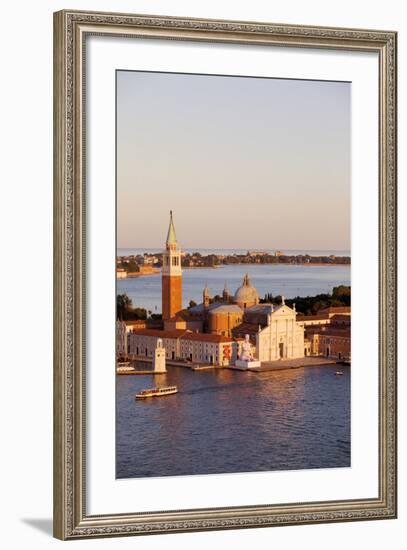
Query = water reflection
x=228 y=421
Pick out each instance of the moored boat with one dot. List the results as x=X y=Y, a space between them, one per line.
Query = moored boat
x=156 y=392
x=202 y=367
x=124 y=368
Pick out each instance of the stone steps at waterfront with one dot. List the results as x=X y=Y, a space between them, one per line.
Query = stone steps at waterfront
x=294 y=363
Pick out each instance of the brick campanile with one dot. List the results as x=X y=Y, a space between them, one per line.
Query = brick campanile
x=171 y=282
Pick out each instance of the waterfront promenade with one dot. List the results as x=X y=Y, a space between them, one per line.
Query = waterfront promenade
x=266 y=366
x=282 y=364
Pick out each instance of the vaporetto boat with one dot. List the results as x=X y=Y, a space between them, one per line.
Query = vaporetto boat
x=124 y=368
x=157 y=392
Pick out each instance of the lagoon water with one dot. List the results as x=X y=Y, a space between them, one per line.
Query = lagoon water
x=287 y=280
x=225 y=421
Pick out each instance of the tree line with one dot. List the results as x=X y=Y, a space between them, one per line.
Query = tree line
x=311 y=305
x=308 y=305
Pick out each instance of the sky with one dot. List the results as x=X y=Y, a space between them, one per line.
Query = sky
x=254 y=163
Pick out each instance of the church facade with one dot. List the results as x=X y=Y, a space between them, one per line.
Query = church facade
x=282 y=337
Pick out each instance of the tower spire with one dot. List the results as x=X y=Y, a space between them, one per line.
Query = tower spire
x=171 y=236
x=225 y=293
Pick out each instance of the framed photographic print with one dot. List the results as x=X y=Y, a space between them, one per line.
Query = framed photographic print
x=225 y=274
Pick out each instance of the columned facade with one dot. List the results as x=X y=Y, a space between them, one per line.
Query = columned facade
x=282 y=338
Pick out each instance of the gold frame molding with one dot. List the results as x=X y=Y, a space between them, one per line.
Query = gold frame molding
x=70 y=31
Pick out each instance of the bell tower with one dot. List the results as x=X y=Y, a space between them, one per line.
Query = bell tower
x=205 y=296
x=171 y=275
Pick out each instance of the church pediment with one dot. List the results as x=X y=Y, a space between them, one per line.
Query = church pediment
x=283 y=311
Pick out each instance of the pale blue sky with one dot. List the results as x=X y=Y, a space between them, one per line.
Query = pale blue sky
x=242 y=162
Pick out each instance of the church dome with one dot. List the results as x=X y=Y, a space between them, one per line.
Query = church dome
x=246 y=295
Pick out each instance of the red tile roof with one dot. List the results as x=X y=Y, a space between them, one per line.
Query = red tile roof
x=336 y=332
x=246 y=328
x=183 y=335
x=340 y=318
x=337 y=309
x=312 y=317
x=202 y=337
x=175 y=333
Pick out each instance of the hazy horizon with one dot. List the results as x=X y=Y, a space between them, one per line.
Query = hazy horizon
x=244 y=163
x=159 y=249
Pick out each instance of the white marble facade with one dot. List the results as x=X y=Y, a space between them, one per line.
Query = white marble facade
x=282 y=338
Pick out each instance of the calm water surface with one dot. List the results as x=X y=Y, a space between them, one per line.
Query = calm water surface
x=289 y=280
x=228 y=421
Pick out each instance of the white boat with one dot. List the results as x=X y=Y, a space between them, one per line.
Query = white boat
x=339 y=373
x=124 y=368
x=157 y=392
x=202 y=367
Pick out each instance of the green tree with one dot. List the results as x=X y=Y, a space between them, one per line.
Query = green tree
x=126 y=311
x=132 y=266
x=123 y=305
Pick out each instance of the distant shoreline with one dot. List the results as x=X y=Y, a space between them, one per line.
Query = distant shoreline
x=135 y=275
x=274 y=264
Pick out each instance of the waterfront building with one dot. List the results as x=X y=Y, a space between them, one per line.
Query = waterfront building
x=171 y=275
x=332 y=339
x=335 y=339
x=121 y=273
x=121 y=338
x=143 y=342
x=211 y=349
x=184 y=345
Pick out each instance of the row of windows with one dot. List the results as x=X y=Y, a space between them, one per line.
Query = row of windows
x=171 y=354
x=335 y=340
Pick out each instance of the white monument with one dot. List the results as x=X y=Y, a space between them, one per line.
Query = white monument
x=246 y=360
x=159 y=357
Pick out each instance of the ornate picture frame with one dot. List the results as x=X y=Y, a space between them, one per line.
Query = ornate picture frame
x=71 y=520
